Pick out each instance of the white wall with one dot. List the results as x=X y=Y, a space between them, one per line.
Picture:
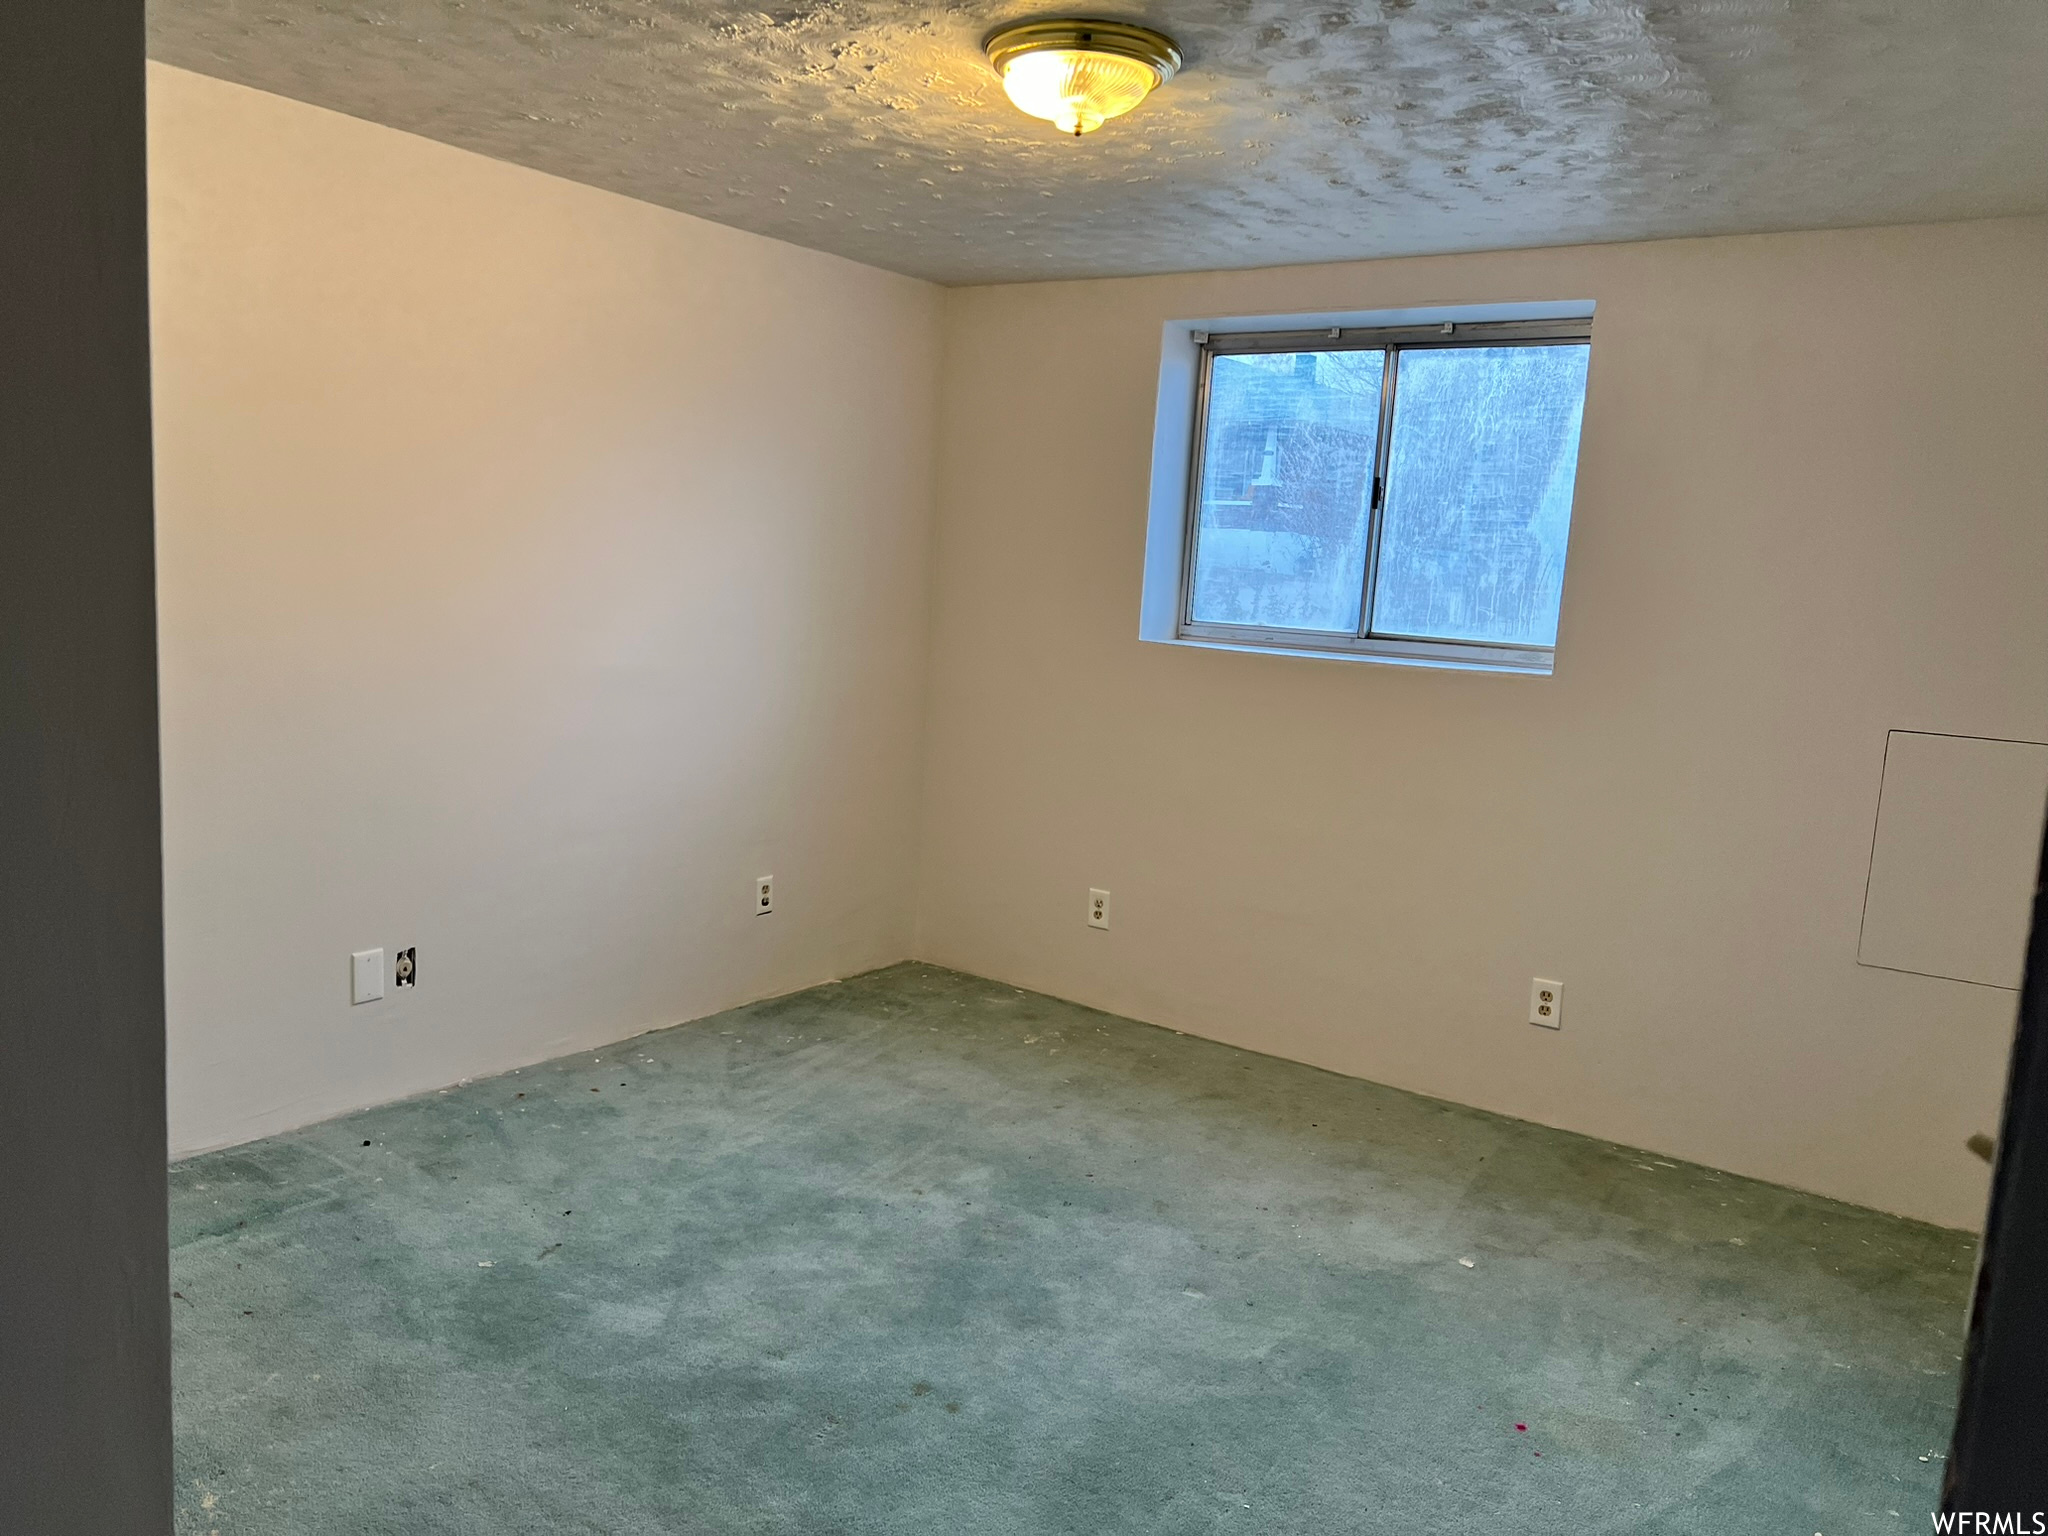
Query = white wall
x=537 y=568
x=1812 y=505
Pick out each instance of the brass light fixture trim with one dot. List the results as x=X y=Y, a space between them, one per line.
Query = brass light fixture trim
x=1078 y=73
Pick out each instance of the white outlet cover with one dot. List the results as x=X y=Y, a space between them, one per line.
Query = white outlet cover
x=1546 y=1003
x=366 y=976
x=764 y=895
x=1098 y=909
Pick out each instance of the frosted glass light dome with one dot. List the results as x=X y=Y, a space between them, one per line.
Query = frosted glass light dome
x=1077 y=75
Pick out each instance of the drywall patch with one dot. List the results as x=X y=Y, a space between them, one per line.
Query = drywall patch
x=874 y=128
x=1954 y=857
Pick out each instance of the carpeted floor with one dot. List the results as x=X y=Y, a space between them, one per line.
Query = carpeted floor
x=922 y=1253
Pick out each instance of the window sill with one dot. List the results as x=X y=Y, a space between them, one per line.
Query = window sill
x=1449 y=655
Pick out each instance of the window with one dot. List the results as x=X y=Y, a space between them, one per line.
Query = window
x=1396 y=492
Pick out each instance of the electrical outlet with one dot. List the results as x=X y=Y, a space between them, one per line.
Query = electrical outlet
x=366 y=976
x=1098 y=909
x=764 y=895
x=1546 y=1003
x=404 y=968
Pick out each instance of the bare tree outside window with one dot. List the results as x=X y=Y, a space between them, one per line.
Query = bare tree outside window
x=1479 y=493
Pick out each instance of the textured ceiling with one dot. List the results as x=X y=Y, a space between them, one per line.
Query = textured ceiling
x=1297 y=132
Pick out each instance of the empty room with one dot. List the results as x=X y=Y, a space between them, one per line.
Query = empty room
x=886 y=767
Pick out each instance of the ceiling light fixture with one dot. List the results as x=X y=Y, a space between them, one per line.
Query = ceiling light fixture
x=1077 y=75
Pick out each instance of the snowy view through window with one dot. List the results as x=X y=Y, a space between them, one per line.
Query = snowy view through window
x=1476 y=503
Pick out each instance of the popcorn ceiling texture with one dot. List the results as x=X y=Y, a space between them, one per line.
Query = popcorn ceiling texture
x=874 y=129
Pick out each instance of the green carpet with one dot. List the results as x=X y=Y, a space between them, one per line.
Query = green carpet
x=919 y=1252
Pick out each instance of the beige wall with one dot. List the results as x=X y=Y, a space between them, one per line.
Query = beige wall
x=1811 y=506
x=537 y=568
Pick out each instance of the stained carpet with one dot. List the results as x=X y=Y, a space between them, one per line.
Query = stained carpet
x=918 y=1252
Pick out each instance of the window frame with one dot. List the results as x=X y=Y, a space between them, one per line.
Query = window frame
x=1391 y=340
